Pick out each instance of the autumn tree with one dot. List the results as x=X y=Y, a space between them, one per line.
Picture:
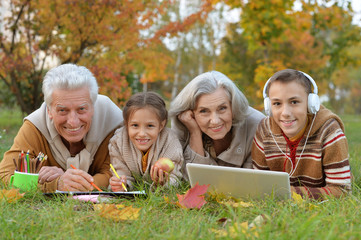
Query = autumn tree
x=273 y=35
x=113 y=38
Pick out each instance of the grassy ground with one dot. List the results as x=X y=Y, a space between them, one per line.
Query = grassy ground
x=39 y=217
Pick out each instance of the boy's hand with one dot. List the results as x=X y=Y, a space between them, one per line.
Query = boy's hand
x=158 y=175
x=116 y=183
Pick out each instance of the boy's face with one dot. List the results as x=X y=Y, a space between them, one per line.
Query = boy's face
x=289 y=106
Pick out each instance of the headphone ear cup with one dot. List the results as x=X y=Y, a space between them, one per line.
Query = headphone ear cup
x=313 y=103
x=267 y=106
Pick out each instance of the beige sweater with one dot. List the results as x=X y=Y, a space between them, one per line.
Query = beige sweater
x=37 y=134
x=239 y=152
x=127 y=159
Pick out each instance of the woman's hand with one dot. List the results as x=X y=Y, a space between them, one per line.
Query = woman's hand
x=195 y=133
x=158 y=175
x=187 y=118
x=116 y=183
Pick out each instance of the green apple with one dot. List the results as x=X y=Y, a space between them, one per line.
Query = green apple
x=165 y=164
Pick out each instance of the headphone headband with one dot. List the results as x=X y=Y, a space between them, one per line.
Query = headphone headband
x=313 y=104
x=315 y=89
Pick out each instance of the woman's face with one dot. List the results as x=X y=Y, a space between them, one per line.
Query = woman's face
x=213 y=114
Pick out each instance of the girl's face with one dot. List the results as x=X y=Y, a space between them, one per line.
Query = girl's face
x=144 y=127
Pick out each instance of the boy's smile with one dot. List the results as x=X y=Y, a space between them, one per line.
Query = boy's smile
x=289 y=106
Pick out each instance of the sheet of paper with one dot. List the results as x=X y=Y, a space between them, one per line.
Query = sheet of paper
x=102 y=193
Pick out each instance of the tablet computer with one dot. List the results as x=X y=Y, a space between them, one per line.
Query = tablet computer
x=240 y=182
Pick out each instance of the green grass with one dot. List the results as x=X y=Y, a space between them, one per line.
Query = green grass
x=38 y=217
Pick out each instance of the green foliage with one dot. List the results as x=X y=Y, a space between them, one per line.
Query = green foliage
x=319 y=39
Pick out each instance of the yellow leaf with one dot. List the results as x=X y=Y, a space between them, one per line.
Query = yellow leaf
x=312 y=206
x=117 y=212
x=219 y=233
x=235 y=230
x=237 y=204
x=11 y=195
x=297 y=198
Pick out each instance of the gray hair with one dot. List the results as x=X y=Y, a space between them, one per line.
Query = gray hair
x=207 y=83
x=69 y=77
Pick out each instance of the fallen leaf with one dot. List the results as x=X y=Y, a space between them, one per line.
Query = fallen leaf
x=11 y=195
x=237 y=204
x=235 y=230
x=297 y=198
x=219 y=196
x=259 y=220
x=312 y=206
x=194 y=197
x=219 y=232
x=117 y=212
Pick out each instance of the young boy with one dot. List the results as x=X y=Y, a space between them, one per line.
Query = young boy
x=302 y=138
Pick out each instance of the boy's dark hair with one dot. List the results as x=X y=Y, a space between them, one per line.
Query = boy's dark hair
x=143 y=100
x=289 y=75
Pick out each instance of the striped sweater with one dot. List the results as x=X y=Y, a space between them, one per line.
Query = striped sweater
x=324 y=167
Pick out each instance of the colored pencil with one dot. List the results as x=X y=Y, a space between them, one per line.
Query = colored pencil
x=116 y=174
x=71 y=165
x=27 y=161
x=16 y=166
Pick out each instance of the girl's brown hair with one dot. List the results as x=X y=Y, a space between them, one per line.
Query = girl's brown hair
x=143 y=100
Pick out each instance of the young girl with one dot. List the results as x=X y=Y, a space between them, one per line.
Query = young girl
x=144 y=139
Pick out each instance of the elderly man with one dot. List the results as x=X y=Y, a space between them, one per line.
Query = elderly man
x=72 y=127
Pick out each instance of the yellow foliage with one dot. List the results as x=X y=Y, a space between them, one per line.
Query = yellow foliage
x=11 y=195
x=117 y=212
x=299 y=201
x=237 y=229
x=237 y=204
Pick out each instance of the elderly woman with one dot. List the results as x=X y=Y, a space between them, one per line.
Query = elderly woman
x=72 y=127
x=212 y=118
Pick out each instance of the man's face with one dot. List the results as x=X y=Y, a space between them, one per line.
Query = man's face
x=71 y=112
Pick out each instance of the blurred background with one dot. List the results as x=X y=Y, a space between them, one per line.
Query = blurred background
x=133 y=46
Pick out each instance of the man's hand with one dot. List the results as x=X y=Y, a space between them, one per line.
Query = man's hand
x=48 y=174
x=75 y=180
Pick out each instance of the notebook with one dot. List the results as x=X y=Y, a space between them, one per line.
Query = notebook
x=241 y=182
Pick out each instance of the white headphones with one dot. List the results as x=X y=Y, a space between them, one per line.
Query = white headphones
x=313 y=99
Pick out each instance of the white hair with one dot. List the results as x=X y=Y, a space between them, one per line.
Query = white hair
x=69 y=77
x=207 y=83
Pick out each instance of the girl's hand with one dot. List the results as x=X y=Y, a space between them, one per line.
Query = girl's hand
x=187 y=118
x=116 y=183
x=158 y=175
